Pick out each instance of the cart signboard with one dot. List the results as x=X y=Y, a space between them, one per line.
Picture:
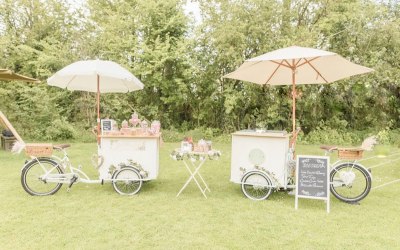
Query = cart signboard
x=106 y=125
x=312 y=178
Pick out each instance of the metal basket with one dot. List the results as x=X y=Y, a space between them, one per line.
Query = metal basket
x=350 y=153
x=39 y=149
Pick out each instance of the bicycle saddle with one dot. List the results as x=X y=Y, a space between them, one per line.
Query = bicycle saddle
x=328 y=147
x=61 y=146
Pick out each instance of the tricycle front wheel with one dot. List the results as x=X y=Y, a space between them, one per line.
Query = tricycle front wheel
x=256 y=185
x=350 y=182
x=127 y=181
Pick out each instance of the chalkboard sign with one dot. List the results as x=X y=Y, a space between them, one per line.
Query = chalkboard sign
x=106 y=125
x=312 y=178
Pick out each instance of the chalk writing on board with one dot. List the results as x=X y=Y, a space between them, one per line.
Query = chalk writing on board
x=312 y=177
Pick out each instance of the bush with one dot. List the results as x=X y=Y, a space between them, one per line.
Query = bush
x=394 y=137
x=383 y=136
x=387 y=136
x=224 y=138
x=339 y=137
x=84 y=134
x=61 y=129
x=331 y=136
x=173 y=135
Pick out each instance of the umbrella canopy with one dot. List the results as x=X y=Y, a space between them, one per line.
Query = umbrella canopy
x=296 y=65
x=96 y=76
x=82 y=75
x=6 y=74
x=311 y=66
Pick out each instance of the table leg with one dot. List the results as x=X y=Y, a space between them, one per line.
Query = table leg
x=205 y=184
x=193 y=176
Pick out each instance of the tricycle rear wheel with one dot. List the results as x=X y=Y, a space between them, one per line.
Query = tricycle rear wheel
x=32 y=173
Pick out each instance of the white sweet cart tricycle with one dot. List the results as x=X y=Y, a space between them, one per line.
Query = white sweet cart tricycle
x=262 y=161
x=125 y=160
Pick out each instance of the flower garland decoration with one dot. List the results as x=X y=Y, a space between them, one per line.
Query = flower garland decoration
x=270 y=174
x=178 y=155
x=133 y=164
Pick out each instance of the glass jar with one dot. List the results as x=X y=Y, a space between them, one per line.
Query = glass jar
x=155 y=127
x=124 y=124
x=134 y=119
x=144 y=126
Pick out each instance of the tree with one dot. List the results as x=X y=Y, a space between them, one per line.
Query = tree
x=182 y=65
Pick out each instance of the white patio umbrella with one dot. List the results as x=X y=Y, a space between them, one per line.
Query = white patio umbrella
x=296 y=65
x=96 y=76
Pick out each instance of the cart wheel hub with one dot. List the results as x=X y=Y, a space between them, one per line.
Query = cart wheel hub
x=347 y=177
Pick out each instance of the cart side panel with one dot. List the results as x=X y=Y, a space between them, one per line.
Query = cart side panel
x=275 y=151
x=144 y=151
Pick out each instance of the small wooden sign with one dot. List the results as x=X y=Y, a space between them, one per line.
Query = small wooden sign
x=312 y=178
x=106 y=125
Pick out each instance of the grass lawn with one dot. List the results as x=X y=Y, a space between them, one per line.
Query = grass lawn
x=96 y=217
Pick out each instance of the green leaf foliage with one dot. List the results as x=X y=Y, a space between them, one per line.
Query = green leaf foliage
x=182 y=61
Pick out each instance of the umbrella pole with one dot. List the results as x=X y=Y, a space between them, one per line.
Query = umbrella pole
x=98 y=109
x=294 y=99
x=294 y=135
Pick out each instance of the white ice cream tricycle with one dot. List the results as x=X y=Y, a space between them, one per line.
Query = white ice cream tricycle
x=126 y=162
x=263 y=161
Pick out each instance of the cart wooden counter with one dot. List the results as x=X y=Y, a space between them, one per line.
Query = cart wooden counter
x=142 y=149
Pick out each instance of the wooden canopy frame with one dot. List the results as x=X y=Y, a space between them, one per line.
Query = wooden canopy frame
x=7 y=124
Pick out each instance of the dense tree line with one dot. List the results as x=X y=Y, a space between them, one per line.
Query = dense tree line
x=181 y=62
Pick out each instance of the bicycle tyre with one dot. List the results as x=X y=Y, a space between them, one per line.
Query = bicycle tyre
x=361 y=175
x=29 y=168
x=127 y=187
x=256 y=185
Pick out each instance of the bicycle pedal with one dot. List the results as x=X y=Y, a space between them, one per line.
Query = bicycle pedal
x=73 y=180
